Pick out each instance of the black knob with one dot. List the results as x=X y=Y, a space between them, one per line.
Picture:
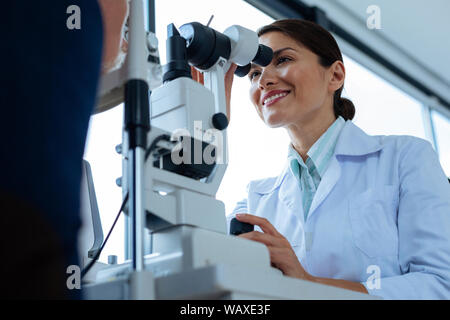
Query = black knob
x=263 y=56
x=237 y=227
x=242 y=71
x=220 y=121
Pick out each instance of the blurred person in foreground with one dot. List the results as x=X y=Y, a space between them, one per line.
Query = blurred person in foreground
x=48 y=91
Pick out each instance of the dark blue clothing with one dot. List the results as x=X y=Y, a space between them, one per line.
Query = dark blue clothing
x=48 y=87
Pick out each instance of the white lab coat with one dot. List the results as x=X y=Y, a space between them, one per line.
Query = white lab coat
x=380 y=216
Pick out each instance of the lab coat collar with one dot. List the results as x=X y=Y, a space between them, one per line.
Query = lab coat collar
x=355 y=142
x=351 y=142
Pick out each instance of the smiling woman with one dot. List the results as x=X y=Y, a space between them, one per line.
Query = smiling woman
x=307 y=73
x=346 y=203
x=309 y=36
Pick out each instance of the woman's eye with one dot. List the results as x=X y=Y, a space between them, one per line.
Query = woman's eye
x=282 y=59
x=253 y=74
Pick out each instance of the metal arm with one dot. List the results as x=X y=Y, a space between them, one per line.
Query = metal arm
x=137 y=125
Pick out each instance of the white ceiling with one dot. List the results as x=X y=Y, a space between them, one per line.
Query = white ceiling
x=414 y=34
x=420 y=28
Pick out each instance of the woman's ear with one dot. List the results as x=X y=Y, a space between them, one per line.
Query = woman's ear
x=336 y=75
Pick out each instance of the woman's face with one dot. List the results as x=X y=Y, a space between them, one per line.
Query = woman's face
x=293 y=88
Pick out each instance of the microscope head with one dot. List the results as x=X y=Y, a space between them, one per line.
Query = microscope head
x=236 y=44
x=199 y=110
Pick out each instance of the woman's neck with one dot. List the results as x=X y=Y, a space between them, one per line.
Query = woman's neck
x=304 y=134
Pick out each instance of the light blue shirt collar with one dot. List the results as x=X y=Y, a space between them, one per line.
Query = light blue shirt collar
x=320 y=152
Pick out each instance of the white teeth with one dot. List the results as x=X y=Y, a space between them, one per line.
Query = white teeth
x=275 y=97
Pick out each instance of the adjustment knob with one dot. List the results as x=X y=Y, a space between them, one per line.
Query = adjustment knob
x=220 y=121
x=237 y=227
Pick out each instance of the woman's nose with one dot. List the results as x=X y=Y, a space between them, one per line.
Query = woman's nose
x=267 y=78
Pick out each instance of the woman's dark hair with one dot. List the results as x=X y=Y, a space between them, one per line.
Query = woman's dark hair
x=323 y=44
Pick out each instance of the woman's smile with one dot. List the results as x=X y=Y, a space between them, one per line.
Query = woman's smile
x=273 y=97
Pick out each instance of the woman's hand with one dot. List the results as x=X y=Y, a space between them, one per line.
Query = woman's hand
x=282 y=256
x=228 y=84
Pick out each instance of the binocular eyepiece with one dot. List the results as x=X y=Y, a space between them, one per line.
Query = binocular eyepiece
x=262 y=58
x=204 y=46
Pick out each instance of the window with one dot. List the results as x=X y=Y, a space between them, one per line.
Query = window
x=442 y=130
x=381 y=109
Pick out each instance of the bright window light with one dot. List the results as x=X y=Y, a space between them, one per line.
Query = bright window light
x=442 y=129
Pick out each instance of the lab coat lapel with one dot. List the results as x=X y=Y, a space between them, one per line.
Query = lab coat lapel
x=329 y=180
x=351 y=142
x=355 y=142
x=291 y=195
